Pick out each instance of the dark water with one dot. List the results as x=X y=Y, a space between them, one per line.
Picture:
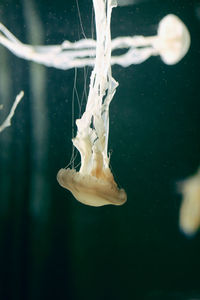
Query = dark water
x=51 y=246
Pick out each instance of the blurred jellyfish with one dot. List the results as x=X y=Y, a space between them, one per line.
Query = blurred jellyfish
x=190 y=208
x=171 y=43
x=173 y=40
x=94 y=183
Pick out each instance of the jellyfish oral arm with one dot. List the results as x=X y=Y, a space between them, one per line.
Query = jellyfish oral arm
x=76 y=55
x=7 y=121
x=94 y=183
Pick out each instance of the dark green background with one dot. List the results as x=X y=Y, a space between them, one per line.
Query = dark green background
x=51 y=246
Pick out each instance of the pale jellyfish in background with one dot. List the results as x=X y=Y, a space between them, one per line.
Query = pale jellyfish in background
x=173 y=39
x=190 y=208
x=94 y=183
x=171 y=43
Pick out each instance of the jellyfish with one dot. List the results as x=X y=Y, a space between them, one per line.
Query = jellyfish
x=171 y=43
x=189 y=219
x=94 y=183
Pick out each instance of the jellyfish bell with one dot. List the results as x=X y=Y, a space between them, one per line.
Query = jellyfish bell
x=90 y=190
x=173 y=39
x=94 y=183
